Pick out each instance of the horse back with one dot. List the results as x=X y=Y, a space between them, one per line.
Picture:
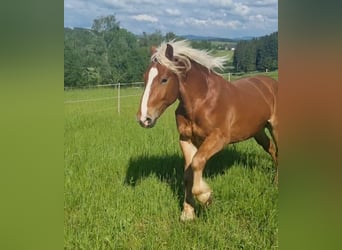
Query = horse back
x=257 y=89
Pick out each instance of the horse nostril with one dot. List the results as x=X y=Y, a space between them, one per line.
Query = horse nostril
x=148 y=120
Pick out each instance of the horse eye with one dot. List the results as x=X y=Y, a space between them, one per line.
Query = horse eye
x=164 y=80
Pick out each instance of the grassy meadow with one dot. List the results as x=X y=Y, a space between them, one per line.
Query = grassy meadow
x=124 y=190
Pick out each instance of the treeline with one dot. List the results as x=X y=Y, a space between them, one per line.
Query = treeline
x=257 y=54
x=106 y=53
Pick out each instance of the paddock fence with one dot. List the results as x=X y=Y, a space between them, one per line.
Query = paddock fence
x=132 y=85
x=117 y=86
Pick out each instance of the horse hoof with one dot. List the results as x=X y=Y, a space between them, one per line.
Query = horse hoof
x=210 y=200
x=205 y=198
x=187 y=216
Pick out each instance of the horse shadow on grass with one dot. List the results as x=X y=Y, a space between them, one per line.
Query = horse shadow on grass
x=170 y=168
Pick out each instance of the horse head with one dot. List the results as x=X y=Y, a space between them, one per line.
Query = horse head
x=161 y=87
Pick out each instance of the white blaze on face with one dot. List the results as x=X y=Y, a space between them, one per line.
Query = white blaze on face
x=151 y=75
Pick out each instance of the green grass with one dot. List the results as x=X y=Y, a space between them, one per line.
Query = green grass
x=273 y=74
x=123 y=183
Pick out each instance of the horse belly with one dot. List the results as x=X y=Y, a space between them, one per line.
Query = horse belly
x=243 y=132
x=244 y=123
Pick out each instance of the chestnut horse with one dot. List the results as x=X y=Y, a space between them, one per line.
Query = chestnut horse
x=212 y=112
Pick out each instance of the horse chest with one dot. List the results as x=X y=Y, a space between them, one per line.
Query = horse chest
x=199 y=124
x=195 y=134
x=198 y=131
x=191 y=130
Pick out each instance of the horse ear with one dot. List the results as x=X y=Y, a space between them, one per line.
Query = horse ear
x=169 y=52
x=153 y=50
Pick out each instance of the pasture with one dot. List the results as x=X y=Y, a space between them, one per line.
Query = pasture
x=123 y=184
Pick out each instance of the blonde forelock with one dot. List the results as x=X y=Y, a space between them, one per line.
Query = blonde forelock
x=183 y=52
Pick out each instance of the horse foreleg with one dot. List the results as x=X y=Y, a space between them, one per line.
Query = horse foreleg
x=210 y=146
x=189 y=150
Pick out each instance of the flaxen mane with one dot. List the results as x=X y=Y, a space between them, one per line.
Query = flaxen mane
x=184 y=53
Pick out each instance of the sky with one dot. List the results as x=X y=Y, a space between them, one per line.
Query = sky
x=219 y=18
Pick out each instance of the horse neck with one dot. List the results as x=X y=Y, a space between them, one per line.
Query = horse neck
x=194 y=85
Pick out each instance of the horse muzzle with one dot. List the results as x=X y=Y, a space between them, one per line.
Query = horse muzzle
x=147 y=122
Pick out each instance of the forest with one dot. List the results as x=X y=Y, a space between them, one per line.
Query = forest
x=259 y=54
x=107 y=53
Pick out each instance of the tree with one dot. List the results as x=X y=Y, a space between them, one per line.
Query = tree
x=105 y=23
x=72 y=60
x=267 y=54
x=156 y=38
x=170 y=36
x=72 y=68
x=244 y=56
x=260 y=54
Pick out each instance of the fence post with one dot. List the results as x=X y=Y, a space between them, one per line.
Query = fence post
x=229 y=76
x=119 y=97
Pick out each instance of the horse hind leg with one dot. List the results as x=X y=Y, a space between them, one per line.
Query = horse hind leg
x=272 y=126
x=270 y=147
x=274 y=134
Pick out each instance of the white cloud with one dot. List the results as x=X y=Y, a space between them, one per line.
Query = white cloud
x=226 y=18
x=241 y=9
x=195 y=21
x=221 y=3
x=173 y=12
x=266 y=2
x=146 y=18
x=257 y=18
x=234 y=24
x=114 y=4
x=186 y=1
x=215 y=23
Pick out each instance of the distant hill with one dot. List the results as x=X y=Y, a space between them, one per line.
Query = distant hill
x=212 y=38
x=245 y=38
